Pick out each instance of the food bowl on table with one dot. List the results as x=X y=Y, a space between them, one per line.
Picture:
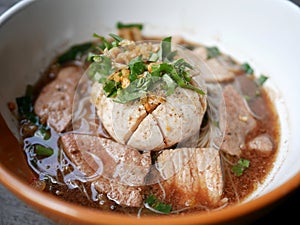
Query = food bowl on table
x=135 y=112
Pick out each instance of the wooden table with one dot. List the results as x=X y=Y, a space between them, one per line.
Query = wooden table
x=15 y=212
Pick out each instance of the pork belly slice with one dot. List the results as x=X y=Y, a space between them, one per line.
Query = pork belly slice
x=218 y=66
x=235 y=120
x=193 y=174
x=55 y=100
x=115 y=169
x=119 y=120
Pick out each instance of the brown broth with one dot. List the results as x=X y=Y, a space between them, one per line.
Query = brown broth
x=56 y=171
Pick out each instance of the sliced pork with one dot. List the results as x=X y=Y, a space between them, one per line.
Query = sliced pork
x=115 y=169
x=193 y=174
x=54 y=103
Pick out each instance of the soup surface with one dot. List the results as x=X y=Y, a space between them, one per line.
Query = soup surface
x=148 y=125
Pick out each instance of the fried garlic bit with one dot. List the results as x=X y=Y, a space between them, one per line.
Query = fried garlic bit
x=243 y=118
x=149 y=67
x=151 y=102
x=121 y=76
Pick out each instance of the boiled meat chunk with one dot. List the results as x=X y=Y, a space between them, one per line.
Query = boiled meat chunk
x=115 y=169
x=148 y=135
x=193 y=174
x=119 y=120
x=262 y=143
x=180 y=116
x=162 y=125
x=55 y=100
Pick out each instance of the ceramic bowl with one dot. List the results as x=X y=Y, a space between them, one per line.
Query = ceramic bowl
x=262 y=32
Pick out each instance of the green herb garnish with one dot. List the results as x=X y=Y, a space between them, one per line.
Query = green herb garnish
x=247 y=68
x=121 y=25
x=212 y=52
x=75 y=52
x=100 y=69
x=41 y=150
x=137 y=89
x=262 y=79
x=141 y=76
x=106 y=44
x=241 y=165
x=165 y=48
x=43 y=132
x=137 y=67
x=154 y=203
x=25 y=106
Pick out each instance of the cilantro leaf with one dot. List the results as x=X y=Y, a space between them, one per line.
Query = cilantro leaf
x=110 y=87
x=137 y=67
x=241 y=165
x=154 y=203
x=165 y=208
x=151 y=200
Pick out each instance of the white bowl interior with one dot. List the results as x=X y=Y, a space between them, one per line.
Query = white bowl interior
x=264 y=33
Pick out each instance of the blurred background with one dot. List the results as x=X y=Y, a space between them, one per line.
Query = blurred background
x=15 y=212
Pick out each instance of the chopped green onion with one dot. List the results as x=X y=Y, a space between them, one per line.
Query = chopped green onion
x=41 y=150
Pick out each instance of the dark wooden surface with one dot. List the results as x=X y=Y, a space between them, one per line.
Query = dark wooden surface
x=15 y=212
